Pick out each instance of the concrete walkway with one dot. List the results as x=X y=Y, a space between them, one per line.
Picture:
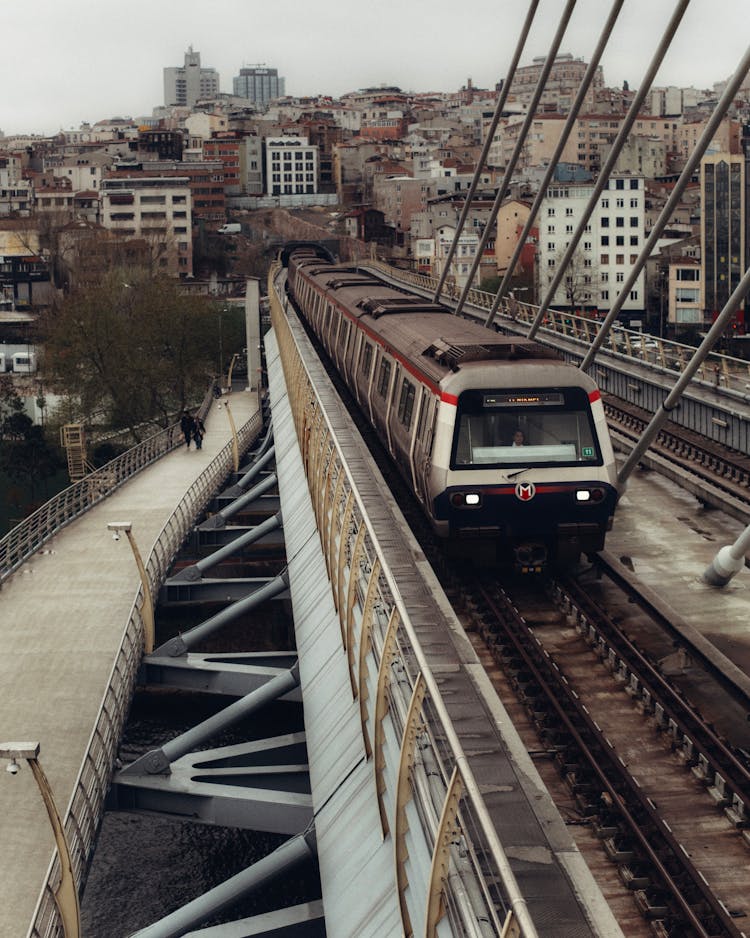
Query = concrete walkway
x=62 y=619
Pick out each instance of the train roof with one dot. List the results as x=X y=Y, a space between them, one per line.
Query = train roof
x=426 y=333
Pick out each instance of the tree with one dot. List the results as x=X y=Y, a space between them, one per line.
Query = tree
x=581 y=283
x=25 y=455
x=131 y=349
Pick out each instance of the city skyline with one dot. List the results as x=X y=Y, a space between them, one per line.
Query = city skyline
x=87 y=61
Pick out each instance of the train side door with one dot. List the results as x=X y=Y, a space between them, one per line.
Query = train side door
x=421 y=460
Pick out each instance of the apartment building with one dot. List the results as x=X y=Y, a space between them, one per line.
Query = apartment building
x=225 y=148
x=607 y=251
x=205 y=179
x=723 y=229
x=156 y=209
x=562 y=84
x=291 y=166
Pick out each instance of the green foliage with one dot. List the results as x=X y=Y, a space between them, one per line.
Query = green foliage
x=25 y=455
x=490 y=284
x=131 y=349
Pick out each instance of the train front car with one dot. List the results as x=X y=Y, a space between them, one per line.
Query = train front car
x=523 y=467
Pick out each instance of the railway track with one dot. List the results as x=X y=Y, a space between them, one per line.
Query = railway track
x=719 y=475
x=664 y=794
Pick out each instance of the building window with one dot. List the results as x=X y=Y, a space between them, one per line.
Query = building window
x=619 y=259
x=633 y=294
x=633 y=222
x=619 y=222
x=604 y=258
x=605 y=240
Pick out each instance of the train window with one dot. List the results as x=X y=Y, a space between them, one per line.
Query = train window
x=406 y=403
x=365 y=362
x=384 y=377
x=526 y=428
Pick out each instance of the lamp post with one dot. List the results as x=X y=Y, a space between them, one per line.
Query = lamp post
x=147 y=609
x=66 y=896
x=235 y=441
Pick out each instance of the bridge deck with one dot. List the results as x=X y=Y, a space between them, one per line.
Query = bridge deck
x=62 y=617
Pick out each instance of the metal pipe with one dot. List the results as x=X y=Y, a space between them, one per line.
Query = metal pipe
x=196 y=570
x=290 y=854
x=609 y=164
x=566 y=131
x=221 y=517
x=254 y=470
x=520 y=143
x=507 y=81
x=666 y=213
x=673 y=398
x=158 y=761
x=181 y=644
x=728 y=562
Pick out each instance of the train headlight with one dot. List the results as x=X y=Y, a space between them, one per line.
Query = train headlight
x=589 y=495
x=466 y=499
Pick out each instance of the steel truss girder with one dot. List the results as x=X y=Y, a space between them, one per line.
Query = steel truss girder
x=260 y=785
x=231 y=675
x=296 y=921
x=212 y=589
x=221 y=537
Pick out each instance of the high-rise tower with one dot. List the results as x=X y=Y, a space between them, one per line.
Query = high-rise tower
x=259 y=84
x=185 y=85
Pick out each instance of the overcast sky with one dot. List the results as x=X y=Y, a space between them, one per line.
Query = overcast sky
x=68 y=61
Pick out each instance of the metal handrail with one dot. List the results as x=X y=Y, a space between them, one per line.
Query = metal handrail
x=27 y=537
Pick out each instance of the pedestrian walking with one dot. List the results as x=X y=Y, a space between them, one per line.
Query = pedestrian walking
x=199 y=431
x=187 y=425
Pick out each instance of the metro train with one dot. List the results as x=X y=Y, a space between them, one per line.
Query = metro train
x=502 y=442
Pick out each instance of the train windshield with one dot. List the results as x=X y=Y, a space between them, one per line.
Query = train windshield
x=552 y=427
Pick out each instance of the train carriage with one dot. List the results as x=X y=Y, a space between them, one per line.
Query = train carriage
x=503 y=443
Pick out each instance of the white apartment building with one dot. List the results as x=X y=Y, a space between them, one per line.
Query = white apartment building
x=156 y=209
x=463 y=257
x=606 y=252
x=291 y=166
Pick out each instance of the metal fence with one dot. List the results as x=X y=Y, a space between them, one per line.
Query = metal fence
x=27 y=537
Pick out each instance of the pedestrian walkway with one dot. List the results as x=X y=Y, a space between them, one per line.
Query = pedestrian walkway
x=63 y=617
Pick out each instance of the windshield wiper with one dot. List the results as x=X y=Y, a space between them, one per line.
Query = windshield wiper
x=512 y=475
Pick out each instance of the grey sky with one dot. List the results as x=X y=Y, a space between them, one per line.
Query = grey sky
x=67 y=61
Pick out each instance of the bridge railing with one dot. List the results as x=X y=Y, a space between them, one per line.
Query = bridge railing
x=22 y=541
x=448 y=860
x=86 y=805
